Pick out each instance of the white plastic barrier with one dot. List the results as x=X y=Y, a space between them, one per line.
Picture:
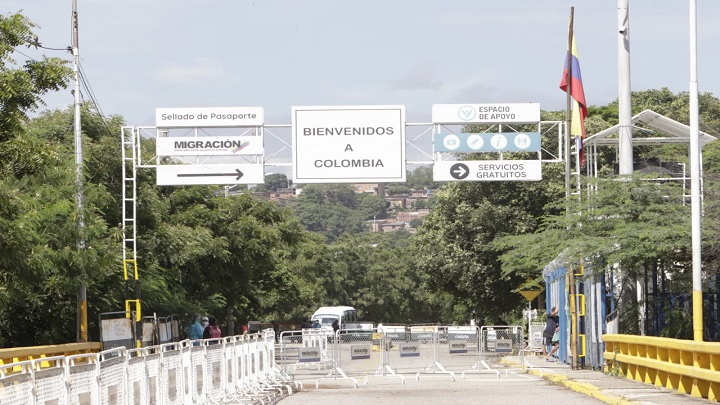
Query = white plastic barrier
x=217 y=371
x=17 y=382
x=112 y=376
x=83 y=379
x=49 y=376
x=136 y=377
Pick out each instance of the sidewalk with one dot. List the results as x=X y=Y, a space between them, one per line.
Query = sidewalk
x=597 y=384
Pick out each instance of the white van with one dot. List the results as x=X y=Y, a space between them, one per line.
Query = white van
x=345 y=315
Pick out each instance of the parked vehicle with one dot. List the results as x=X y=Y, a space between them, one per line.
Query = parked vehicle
x=325 y=316
x=346 y=316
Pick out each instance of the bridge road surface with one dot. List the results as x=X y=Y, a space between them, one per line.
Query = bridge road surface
x=438 y=390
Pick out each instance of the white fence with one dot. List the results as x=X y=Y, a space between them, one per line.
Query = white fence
x=237 y=368
x=397 y=351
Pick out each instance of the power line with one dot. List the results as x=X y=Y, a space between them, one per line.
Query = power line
x=93 y=98
x=83 y=79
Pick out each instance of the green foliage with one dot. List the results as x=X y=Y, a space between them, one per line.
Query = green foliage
x=373 y=273
x=454 y=247
x=201 y=252
x=372 y=206
x=398 y=190
x=628 y=222
x=273 y=182
x=421 y=179
x=42 y=266
x=615 y=369
x=23 y=85
x=331 y=210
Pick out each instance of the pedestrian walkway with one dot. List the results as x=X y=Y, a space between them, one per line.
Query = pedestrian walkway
x=597 y=384
x=589 y=387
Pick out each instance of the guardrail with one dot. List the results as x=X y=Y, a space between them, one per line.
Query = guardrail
x=18 y=354
x=686 y=366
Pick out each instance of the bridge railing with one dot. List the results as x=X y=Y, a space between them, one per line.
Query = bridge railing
x=186 y=372
x=20 y=354
x=686 y=366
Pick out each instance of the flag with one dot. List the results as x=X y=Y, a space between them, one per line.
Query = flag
x=579 y=107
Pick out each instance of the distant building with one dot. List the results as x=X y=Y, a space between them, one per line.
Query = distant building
x=366 y=188
x=397 y=202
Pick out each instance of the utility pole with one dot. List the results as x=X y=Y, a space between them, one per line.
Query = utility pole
x=695 y=178
x=82 y=329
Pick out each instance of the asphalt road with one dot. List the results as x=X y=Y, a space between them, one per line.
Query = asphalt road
x=438 y=390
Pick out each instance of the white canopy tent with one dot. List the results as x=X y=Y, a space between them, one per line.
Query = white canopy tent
x=654 y=124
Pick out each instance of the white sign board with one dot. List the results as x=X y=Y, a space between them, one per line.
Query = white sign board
x=117 y=329
x=177 y=175
x=485 y=113
x=487 y=170
x=351 y=144
x=209 y=145
x=209 y=117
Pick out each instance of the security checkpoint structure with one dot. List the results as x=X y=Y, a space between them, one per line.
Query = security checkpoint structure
x=242 y=369
x=247 y=368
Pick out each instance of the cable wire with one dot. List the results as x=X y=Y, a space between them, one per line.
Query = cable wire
x=86 y=84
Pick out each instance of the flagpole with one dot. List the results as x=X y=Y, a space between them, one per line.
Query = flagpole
x=568 y=112
x=568 y=125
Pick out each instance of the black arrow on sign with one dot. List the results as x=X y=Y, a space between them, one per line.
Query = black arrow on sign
x=238 y=174
x=459 y=171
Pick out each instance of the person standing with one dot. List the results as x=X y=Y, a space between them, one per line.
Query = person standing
x=551 y=326
x=555 y=341
x=195 y=330
x=212 y=331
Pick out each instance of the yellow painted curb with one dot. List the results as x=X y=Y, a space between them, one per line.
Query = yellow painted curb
x=583 y=388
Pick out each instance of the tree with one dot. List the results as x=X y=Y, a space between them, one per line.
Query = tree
x=372 y=206
x=329 y=209
x=24 y=86
x=275 y=181
x=454 y=248
x=421 y=179
x=372 y=272
x=626 y=222
x=416 y=222
x=399 y=189
x=634 y=224
x=38 y=231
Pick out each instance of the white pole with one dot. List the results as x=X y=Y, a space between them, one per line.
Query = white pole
x=625 y=147
x=695 y=158
x=529 y=322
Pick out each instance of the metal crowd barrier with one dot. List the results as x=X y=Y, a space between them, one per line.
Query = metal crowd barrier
x=396 y=351
x=218 y=370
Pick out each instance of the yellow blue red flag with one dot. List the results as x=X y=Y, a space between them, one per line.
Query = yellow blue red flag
x=575 y=86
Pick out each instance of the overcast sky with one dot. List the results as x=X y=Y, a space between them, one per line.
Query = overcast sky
x=139 y=55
